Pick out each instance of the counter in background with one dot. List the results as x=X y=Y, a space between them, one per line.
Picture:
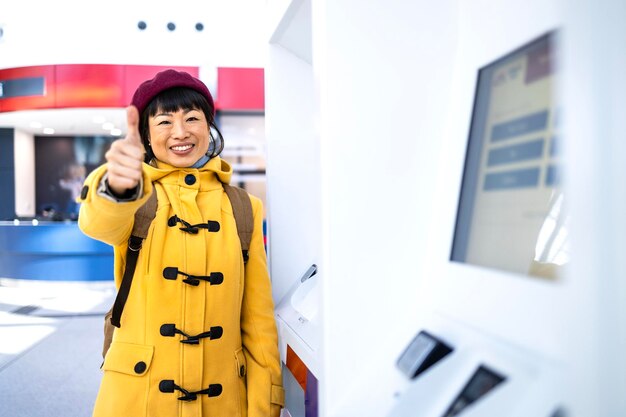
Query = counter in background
x=54 y=251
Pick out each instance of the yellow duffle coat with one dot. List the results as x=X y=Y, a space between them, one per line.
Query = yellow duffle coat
x=244 y=360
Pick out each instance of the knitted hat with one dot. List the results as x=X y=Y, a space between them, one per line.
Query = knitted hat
x=165 y=80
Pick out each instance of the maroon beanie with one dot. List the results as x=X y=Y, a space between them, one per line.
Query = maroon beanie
x=165 y=80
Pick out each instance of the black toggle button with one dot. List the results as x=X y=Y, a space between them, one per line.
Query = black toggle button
x=214 y=390
x=168 y=330
x=84 y=192
x=213 y=226
x=190 y=179
x=171 y=272
x=216 y=332
x=140 y=367
x=167 y=385
x=216 y=278
x=210 y=225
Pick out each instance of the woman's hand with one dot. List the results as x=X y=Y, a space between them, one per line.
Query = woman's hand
x=125 y=157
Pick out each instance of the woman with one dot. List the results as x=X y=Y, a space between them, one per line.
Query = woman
x=149 y=372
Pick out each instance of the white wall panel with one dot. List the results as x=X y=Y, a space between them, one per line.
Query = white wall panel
x=24 y=154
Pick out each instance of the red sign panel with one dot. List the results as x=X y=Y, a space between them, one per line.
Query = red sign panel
x=103 y=85
x=81 y=85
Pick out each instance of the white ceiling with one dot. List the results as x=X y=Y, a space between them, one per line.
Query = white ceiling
x=234 y=35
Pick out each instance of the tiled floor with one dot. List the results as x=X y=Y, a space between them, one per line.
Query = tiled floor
x=50 y=346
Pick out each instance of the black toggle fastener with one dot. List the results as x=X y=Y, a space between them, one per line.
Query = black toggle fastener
x=211 y=225
x=168 y=386
x=171 y=272
x=169 y=330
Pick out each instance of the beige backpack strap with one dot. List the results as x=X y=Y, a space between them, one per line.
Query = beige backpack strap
x=143 y=218
x=242 y=210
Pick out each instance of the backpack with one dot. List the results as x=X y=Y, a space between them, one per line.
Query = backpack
x=242 y=210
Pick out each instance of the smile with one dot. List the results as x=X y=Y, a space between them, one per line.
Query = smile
x=181 y=148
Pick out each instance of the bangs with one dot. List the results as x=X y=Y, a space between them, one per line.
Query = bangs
x=175 y=99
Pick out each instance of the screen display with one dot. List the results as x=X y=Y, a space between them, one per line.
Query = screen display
x=510 y=212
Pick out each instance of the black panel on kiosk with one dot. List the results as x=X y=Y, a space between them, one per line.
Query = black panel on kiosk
x=483 y=381
x=510 y=213
x=423 y=352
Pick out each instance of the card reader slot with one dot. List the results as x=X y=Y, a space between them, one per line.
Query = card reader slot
x=424 y=351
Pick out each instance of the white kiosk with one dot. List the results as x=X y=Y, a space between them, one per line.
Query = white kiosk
x=294 y=204
x=496 y=278
x=420 y=155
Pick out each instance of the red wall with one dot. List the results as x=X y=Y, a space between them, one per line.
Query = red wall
x=240 y=89
x=101 y=85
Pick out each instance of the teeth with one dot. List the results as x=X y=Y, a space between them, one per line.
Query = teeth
x=180 y=148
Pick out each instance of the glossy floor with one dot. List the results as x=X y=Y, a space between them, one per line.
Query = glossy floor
x=50 y=346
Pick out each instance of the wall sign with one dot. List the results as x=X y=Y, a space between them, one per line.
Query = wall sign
x=22 y=87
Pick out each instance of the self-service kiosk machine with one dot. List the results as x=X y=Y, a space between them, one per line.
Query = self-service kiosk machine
x=420 y=155
x=294 y=209
x=489 y=344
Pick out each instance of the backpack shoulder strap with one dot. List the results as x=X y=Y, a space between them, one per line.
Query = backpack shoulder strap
x=143 y=218
x=242 y=210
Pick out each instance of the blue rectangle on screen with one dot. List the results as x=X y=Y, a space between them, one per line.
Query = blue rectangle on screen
x=553 y=176
x=522 y=152
x=527 y=124
x=521 y=178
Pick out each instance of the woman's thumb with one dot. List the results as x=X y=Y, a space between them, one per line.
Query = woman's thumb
x=132 y=122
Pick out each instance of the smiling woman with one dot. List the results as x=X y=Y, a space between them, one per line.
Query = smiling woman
x=171 y=151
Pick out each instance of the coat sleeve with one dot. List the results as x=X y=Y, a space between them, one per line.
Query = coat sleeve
x=106 y=220
x=258 y=329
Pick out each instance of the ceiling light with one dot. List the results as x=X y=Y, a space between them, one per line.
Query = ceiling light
x=116 y=132
x=108 y=126
x=48 y=131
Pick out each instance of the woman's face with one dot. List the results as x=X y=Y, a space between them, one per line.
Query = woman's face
x=180 y=138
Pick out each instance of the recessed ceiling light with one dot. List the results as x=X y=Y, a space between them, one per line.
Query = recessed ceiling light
x=48 y=131
x=116 y=132
x=108 y=126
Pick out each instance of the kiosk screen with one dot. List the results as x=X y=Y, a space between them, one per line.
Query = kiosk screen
x=510 y=213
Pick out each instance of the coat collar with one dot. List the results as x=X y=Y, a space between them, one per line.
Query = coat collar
x=212 y=174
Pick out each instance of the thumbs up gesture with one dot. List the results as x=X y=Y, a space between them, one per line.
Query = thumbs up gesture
x=125 y=157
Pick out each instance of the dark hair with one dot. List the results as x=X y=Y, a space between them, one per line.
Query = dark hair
x=173 y=100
